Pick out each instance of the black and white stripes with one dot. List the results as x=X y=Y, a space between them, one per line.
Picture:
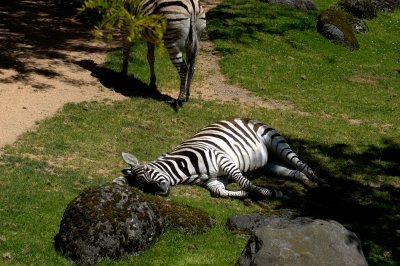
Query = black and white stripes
x=185 y=24
x=222 y=151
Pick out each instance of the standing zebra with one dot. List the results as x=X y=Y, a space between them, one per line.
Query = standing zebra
x=185 y=23
x=217 y=153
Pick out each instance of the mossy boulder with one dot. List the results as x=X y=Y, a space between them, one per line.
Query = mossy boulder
x=340 y=27
x=107 y=221
x=115 y=221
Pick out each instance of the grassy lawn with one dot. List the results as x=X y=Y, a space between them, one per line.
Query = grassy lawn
x=348 y=132
x=277 y=53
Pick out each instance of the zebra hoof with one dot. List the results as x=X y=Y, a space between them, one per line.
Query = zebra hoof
x=177 y=104
x=277 y=194
x=152 y=86
x=323 y=184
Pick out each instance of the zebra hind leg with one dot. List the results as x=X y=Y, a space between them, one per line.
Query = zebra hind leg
x=279 y=170
x=125 y=56
x=278 y=145
x=151 y=60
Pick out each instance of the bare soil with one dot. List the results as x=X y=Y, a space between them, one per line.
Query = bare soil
x=48 y=59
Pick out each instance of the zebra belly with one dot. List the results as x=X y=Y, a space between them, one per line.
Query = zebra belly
x=251 y=158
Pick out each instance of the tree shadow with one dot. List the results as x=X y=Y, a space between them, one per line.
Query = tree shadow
x=126 y=85
x=35 y=30
x=359 y=197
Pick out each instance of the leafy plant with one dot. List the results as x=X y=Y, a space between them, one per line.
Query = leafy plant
x=125 y=15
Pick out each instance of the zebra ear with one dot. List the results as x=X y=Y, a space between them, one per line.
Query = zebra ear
x=130 y=159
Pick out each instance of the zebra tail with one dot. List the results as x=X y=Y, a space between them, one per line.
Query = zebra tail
x=192 y=38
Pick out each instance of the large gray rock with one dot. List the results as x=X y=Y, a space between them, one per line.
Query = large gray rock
x=107 y=221
x=302 y=241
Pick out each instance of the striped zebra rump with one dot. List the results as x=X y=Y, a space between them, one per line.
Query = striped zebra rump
x=224 y=151
x=185 y=24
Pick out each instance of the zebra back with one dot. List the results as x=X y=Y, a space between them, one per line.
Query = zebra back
x=250 y=143
x=235 y=138
x=175 y=12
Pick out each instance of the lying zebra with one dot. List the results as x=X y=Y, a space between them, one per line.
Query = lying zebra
x=220 y=152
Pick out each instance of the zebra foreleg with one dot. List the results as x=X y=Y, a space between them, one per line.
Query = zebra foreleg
x=217 y=188
x=276 y=143
x=229 y=167
x=176 y=57
x=151 y=60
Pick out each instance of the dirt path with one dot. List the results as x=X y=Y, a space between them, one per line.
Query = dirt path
x=47 y=59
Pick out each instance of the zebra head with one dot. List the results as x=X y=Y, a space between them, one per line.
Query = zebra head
x=144 y=177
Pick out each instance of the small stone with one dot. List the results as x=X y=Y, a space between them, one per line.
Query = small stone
x=247 y=202
x=304 y=77
x=7 y=256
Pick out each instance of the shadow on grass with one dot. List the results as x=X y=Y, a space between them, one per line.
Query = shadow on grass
x=128 y=86
x=370 y=210
x=243 y=21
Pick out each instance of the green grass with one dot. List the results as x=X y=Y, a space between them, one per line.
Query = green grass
x=277 y=53
x=349 y=136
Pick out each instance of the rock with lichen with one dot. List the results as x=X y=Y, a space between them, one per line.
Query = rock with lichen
x=107 y=221
x=114 y=221
x=340 y=27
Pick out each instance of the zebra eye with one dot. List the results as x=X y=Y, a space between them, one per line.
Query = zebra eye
x=140 y=180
